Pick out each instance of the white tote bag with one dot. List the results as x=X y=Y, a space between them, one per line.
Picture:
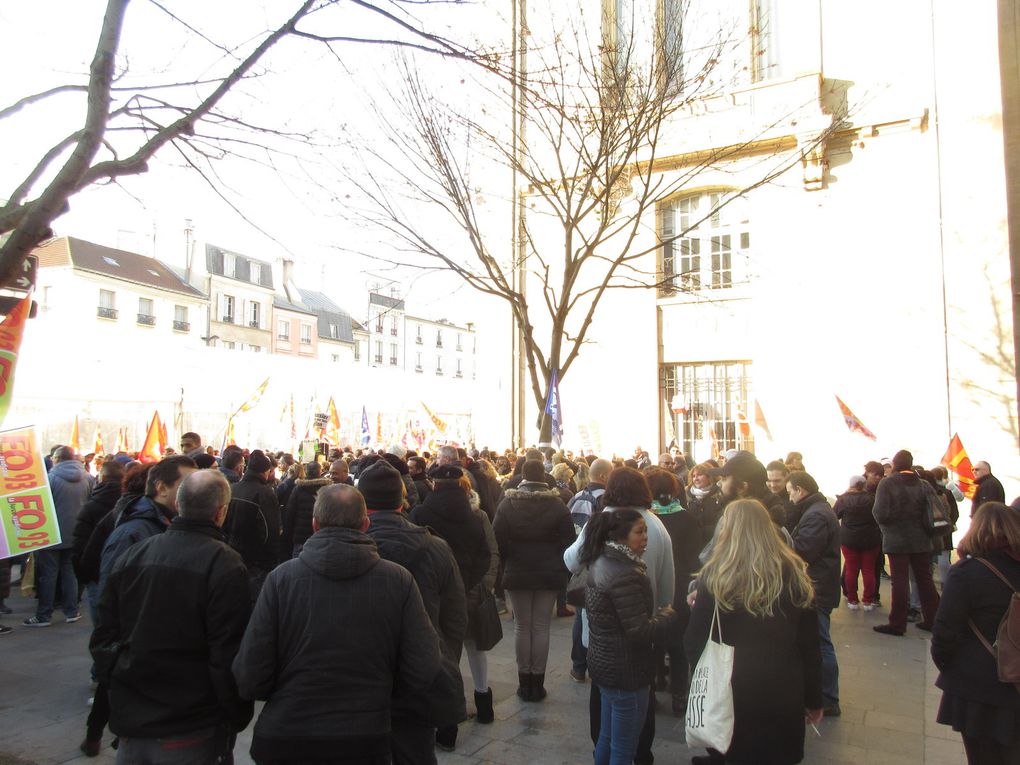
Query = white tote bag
x=710 y=703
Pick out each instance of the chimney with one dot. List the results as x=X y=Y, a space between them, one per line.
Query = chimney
x=288 y=282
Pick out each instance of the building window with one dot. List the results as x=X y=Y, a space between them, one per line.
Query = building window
x=460 y=372
x=378 y=351
x=283 y=330
x=765 y=62
x=228 y=309
x=669 y=65
x=439 y=338
x=254 y=272
x=713 y=403
x=107 y=305
x=146 y=315
x=460 y=343
x=393 y=326
x=618 y=33
x=306 y=334
x=393 y=354
x=357 y=350
x=439 y=365
x=334 y=331
x=417 y=337
x=417 y=361
x=229 y=345
x=379 y=323
x=336 y=358
x=181 y=323
x=255 y=348
x=254 y=314
x=229 y=264
x=706 y=243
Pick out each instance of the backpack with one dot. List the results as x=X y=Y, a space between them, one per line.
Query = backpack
x=1006 y=649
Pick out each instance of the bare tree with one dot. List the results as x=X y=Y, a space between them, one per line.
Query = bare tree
x=599 y=120
x=124 y=127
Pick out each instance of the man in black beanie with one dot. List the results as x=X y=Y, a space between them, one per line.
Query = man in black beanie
x=253 y=521
x=414 y=717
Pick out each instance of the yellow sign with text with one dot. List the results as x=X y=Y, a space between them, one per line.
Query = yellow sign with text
x=29 y=517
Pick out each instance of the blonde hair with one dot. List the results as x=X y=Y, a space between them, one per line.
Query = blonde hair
x=751 y=566
x=562 y=472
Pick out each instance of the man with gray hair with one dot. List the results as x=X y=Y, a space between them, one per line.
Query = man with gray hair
x=337 y=633
x=171 y=618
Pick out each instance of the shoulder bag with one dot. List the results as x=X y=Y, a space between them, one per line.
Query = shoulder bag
x=710 y=701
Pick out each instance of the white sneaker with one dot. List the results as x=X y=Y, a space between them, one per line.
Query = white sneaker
x=869 y=606
x=853 y=606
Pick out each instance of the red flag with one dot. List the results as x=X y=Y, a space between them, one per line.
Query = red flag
x=11 y=330
x=150 y=448
x=745 y=426
x=956 y=460
x=98 y=444
x=852 y=422
x=162 y=438
x=759 y=420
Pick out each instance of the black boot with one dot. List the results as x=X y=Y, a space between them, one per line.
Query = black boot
x=538 y=687
x=446 y=738
x=524 y=686
x=483 y=707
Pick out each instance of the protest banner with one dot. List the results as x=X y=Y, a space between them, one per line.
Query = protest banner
x=29 y=521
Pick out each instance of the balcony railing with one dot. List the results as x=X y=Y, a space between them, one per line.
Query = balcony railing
x=393 y=331
x=284 y=338
x=306 y=341
x=228 y=319
x=378 y=329
x=439 y=343
x=460 y=348
x=146 y=319
x=106 y=313
x=458 y=374
x=378 y=359
x=393 y=361
x=418 y=368
x=181 y=326
x=254 y=324
x=439 y=372
x=418 y=340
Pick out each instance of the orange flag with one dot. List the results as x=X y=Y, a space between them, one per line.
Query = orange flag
x=229 y=437
x=119 y=446
x=332 y=424
x=11 y=330
x=852 y=421
x=162 y=438
x=956 y=459
x=75 y=442
x=150 y=448
x=97 y=446
x=760 y=421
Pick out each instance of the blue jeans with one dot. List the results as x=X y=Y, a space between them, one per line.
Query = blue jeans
x=49 y=564
x=623 y=714
x=830 y=669
x=202 y=747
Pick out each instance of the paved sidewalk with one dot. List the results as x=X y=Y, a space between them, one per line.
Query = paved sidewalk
x=887 y=689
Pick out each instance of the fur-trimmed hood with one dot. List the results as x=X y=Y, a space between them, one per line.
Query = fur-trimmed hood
x=531 y=491
x=308 y=482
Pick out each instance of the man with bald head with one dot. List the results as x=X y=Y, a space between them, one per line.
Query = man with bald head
x=337 y=633
x=171 y=618
x=989 y=488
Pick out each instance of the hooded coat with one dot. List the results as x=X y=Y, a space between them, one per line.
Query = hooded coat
x=901 y=505
x=71 y=486
x=102 y=500
x=447 y=511
x=137 y=519
x=858 y=528
x=297 y=517
x=252 y=525
x=533 y=527
x=336 y=633
x=816 y=540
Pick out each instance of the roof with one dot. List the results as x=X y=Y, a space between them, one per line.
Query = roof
x=329 y=313
x=374 y=298
x=215 y=259
x=286 y=305
x=118 y=264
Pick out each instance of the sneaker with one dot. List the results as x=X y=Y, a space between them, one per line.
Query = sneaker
x=5 y=630
x=913 y=615
x=76 y=616
x=577 y=676
x=852 y=606
x=869 y=606
x=35 y=621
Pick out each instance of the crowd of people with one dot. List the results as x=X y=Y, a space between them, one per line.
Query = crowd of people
x=344 y=591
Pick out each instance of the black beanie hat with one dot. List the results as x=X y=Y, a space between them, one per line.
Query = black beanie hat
x=381 y=487
x=259 y=463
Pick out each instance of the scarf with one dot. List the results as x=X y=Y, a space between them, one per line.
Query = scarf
x=700 y=493
x=622 y=548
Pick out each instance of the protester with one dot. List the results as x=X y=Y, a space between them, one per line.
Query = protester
x=765 y=601
x=860 y=541
x=171 y=617
x=532 y=528
x=623 y=624
x=101 y=501
x=297 y=516
x=336 y=633
x=704 y=499
x=989 y=488
x=253 y=521
x=944 y=542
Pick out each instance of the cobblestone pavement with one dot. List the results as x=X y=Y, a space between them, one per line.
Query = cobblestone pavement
x=887 y=692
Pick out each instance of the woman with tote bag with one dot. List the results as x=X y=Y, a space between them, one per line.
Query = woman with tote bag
x=754 y=595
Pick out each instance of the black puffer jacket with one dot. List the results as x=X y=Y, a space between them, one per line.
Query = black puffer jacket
x=171 y=617
x=252 y=525
x=297 y=516
x=621 y=623
x=533 y=528
x=336 y=633
x=901 y=504
x=447 y=511
x=858 y=528
x=707 y=509
x=816 y=540
x=102 y=500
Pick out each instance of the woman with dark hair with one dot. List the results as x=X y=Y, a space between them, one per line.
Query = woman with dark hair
x=533 y=528
x=860 y=540
x=297 y=515
x=974 y=600
x=623 y=624
x=685 y=536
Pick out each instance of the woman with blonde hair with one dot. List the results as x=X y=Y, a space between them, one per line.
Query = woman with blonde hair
x=764 y=597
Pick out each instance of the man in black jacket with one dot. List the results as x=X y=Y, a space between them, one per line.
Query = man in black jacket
x=336 y=633
x=989 y=488
x=431 y=563
x=253 y=521
x=171 y=618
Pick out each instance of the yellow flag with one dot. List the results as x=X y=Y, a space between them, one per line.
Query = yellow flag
x=256 y=396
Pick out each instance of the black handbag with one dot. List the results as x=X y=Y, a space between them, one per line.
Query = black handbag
x=576 y=587
x=487 y=627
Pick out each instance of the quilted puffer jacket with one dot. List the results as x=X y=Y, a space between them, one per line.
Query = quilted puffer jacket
x=622 y=626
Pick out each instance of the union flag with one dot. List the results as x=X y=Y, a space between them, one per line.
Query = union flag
x=956 y=460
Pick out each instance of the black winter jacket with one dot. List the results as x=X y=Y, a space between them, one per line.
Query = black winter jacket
x=533 y=528
x=621 y=622
x=171 y=618
x=447 y=511
x=102 y=500
x=252 y=526
x=989 y=489
x=901 y=505
x=336 y=633
x=707 y=510
x=297 y=516
x=816 y=540
x=966 y=668
x=858 y=528
x=137 y=518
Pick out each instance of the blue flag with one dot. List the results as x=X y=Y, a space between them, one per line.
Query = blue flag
x=366 y=435
x=552 y=408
